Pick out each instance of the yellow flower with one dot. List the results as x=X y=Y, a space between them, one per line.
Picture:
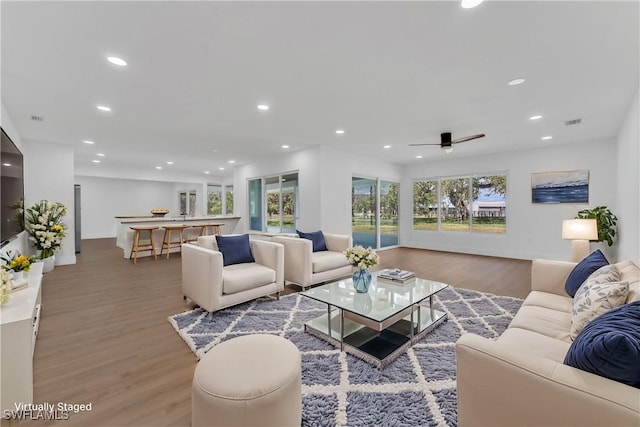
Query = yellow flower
x=57 y=227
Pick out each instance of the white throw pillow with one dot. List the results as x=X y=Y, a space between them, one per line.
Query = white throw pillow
x=597 y=295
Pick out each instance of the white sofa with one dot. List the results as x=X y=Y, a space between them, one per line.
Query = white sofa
x=213 y=287
x=520 y=378
x=304 y=267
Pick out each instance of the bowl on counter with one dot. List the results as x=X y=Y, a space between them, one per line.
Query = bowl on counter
x=159 y=212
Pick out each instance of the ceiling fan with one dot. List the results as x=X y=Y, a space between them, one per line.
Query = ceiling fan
x=446 y=142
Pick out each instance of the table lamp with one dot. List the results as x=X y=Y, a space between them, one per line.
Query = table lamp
x=580 y=231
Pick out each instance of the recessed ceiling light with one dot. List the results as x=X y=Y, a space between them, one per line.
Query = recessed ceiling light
x=263 y=107
x=546 y=138
x=387 y=146
x=103 y=108
x=6 y=164
x=215 y=150
x=86 y=141
x=418 y=156
x=117 y=61
x=207 y=172
x=221 y=168
x=100 y=154
x=232 y=161
x=169 y=163
x=340 y=131
x=285 y=146
x=535 y=117
x=468 y=4
x=95 y=161
x=158 y=167
x=516 y=82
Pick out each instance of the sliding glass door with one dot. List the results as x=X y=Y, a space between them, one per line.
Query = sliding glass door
x=363 y=211
x=388 y=213
x=374 y=212
x=255 y=204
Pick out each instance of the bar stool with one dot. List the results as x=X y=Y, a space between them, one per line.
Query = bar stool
x=214 y=226
x=194 y=236
x=136 y=246
x=166 y=240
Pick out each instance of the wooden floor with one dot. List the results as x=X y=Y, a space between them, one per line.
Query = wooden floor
x=104 y=336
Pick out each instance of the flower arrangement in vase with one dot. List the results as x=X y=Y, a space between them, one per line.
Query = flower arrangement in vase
x=43 y=222
x=362 y=258
x=18 y=264
x=5 y=286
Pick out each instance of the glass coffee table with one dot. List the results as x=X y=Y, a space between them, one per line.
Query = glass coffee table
x=379 y=325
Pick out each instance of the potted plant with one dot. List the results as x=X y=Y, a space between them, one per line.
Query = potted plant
x=18 y=264
x=362 y=258
x=43 y=222
x=606 y=222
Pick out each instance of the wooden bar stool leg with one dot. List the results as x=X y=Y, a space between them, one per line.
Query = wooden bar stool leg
x=168 y=234
x=153 y=248
x=136 y=243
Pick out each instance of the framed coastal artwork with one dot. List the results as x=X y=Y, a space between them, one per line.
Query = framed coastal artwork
x=560 y=187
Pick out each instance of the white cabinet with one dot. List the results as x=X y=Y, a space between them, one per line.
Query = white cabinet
x=19 y=320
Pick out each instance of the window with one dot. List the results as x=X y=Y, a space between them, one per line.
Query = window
x=187 y=202
x=463 y=204
x=425 y=205
x=228 y=191
x=274 y=208
x=214 y=199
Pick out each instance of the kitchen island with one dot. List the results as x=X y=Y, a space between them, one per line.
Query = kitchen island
x=124 y=234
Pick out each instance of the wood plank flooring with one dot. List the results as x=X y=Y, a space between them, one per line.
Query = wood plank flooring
x=104 y=336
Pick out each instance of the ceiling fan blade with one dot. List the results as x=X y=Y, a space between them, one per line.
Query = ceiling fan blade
x=416 y=145
x=468 y=138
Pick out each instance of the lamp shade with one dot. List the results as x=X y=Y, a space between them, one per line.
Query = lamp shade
x=580 y=229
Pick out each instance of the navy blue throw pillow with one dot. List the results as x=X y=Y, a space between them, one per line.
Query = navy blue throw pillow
x=235 y=249
x=583 y=270
x=317 y=238
x=609 y=345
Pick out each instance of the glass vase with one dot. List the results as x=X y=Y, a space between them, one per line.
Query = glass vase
x=361 y=280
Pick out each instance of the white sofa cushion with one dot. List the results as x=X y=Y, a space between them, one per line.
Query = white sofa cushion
x=240 y=277
x=545 y=321
x=535 y=344
x=548 y=300
x=327 y=260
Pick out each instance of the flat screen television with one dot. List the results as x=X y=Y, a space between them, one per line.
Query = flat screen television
x=11 y=190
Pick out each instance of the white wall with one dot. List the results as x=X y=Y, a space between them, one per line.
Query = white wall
x=533 y=230
x=338 y=168
x=628 y=194
x=49 y=176
x=324 y=177
x=306 y=162
x=104 y=198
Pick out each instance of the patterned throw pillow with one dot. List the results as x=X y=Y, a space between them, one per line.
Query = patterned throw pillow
x=600 y=293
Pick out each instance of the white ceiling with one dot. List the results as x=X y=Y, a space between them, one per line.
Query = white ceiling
x=386 y=72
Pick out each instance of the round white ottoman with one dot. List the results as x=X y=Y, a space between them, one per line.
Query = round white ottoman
x=252 y=380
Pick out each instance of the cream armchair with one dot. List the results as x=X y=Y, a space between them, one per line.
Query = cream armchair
x=213 y=287
x=304 y=267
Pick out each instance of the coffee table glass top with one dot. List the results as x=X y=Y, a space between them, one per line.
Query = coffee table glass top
x=383 y=300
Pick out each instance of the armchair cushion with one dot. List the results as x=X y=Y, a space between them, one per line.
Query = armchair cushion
x=317 y=238
x=235 y=249
x=583 y=270
x=609 y=346
x=240 y=277
x=327 y=260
